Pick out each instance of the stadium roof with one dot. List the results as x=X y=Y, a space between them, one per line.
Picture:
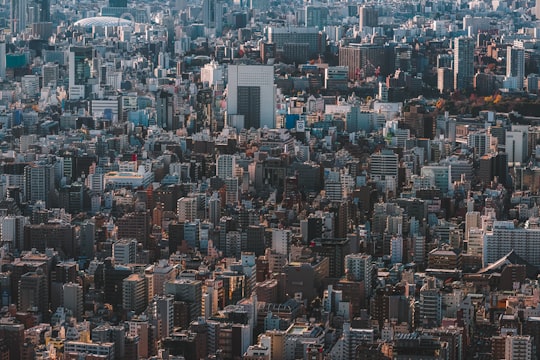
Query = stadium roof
x=104 y=21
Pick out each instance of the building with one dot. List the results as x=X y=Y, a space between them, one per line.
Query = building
x=369 y=16
x=39 y=182
x=225 y=166
x=186 y=209
x=251 y=93
x=125 y=251
x=34 y=293
x=73 y=299
x=363 y=60
x=297 y=35
x=518 y=347
x=359 y=267
x=212 y=14
x=384 y=164
x=135 y=293
x=515 y=65
x=430 y=304
x=129 y=179
x=187 y=291
x=80 y=64
x=105 y=350
x=463 y=63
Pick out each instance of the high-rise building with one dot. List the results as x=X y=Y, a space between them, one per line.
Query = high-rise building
x=39 y=182
x=12 y=231
x=225 y=166
x=50 y=74
x=515 y=65
x=384 y=164
x=188 y=291
x=251 y=93
x=369 y=16
x=430 y=304
x=135 y=293
x=231 y=188
x=316 y=16
x=2 y=60
x=363 y=60
x=297 y=35
x=73 y=299
x=463 y=63
x=186 y=209
x=358 y=267
x=281 y=241
x=518 y=347
x=34 y=293
x=125 y=251
x=18 y=15
x=212 y=13
x=80 y=63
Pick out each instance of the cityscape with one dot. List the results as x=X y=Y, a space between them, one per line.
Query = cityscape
x=268 y=180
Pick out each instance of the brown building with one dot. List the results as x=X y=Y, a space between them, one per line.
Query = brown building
x=445 y=258
x=135 y=225
x=60 y=236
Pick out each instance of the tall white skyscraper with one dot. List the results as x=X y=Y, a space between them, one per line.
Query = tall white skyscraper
x=251 y=93
x=463 y=62
x=515 y=65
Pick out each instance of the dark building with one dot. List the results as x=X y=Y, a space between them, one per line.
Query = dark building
x=118 y=3
x=59 y=236
x=335 y=250
x=369 y=16
x=256 y=239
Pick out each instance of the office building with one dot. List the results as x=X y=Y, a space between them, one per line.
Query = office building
x=515 y=65
x=369 y=16
x=251 y=93
x=212 y=13
x=135 y=293
x=463 y=63
x=39 y=182
x=34 y=293
x=73 y=299
x=295 y=35
x=80 y=64
x=125 y=251
x=384 y=164
x=225 y=166
x=186 y=209
x=188 y=291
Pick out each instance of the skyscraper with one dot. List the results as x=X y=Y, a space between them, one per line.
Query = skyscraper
x=39 y=182
x=369 y=16
x=515 y=65
x=18 y=15
x=463 y=62
x=213 y=15
x=80 y=61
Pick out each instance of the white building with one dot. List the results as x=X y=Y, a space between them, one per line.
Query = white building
x=281 y=241
x=251 y=92
x=225 y=166
x=186 y=209
x=125 y=251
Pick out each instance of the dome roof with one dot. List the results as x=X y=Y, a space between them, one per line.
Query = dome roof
x=103 y=21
